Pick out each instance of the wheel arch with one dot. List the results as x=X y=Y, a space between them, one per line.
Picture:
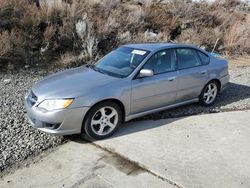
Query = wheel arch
x=117 y=101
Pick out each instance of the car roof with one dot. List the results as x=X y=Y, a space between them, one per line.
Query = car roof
x=155 y=46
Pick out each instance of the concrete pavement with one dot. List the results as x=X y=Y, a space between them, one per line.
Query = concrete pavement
x=210 y=150
x=79 y=165
x=198 y=151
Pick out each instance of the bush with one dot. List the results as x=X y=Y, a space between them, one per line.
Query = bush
x=34 y=32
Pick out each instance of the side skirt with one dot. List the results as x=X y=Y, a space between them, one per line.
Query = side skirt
x=133 y=116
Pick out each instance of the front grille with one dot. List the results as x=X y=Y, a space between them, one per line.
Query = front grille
x=32 y=98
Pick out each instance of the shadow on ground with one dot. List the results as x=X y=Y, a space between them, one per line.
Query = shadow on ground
x=126 y=128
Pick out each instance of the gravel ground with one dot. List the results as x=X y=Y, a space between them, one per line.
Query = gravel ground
x=19 y=141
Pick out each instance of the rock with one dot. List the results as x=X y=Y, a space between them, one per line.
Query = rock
x=7 y=81
x=43 y=50
x=81 y=28
x=152 y=35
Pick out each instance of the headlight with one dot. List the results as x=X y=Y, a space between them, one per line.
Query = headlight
x=54 y=104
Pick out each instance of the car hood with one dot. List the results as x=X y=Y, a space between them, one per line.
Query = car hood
x=71 y=83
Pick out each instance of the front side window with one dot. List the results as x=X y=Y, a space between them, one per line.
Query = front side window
x=120 y=62
x=187 y=58
x=161 y=62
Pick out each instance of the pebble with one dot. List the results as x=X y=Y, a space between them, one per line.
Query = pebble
x=6 y=81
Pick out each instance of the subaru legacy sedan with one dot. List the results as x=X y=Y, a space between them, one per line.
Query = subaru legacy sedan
x=129 y=82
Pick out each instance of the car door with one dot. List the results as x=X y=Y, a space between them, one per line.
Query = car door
x=158 y=90
x=192 y=74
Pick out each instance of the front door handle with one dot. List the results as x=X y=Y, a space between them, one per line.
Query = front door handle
x=203 y=72
x=171 y=79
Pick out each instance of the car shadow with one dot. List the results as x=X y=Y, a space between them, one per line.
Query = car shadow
x=232 y=94
x=144 y=125
x=126 y=129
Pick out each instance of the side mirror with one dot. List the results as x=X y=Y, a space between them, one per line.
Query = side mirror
x=146 y=73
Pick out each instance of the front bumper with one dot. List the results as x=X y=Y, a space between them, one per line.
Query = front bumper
x=57 y=122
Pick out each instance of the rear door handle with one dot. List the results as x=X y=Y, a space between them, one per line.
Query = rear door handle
x=171 y=79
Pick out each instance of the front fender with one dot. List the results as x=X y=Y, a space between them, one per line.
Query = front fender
x=120 y=91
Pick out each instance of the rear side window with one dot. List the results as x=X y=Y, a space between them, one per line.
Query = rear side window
x=203 y=57
x=187 y=58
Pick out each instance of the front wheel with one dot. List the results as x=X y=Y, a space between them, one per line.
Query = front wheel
x=209 y=93
x=102 y=120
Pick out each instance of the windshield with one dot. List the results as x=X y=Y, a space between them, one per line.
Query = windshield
x=120 y=62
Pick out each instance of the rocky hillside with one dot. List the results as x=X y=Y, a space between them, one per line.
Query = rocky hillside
x=71 y=32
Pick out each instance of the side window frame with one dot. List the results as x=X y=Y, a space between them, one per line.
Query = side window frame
x=174 y=56
x=196 y=53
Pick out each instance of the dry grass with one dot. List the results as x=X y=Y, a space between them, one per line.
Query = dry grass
x=238 y=36
x=5 y=45
x=49 y=33
x=9 y=42
x=85 y=30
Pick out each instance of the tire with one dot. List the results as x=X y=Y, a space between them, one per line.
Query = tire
x=211 y=91
x=102 y=120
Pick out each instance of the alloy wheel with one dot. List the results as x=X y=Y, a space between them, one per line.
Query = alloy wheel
x=210 y=93
x=104 y=121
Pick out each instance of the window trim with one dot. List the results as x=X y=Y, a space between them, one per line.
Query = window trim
x=196 y=52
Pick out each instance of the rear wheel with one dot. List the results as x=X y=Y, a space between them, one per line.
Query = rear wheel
x=102 y=120
x=209 y=93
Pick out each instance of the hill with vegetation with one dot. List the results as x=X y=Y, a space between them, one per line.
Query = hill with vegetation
x=73 y=32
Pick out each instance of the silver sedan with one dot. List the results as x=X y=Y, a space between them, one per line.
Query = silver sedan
x=129 y=82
